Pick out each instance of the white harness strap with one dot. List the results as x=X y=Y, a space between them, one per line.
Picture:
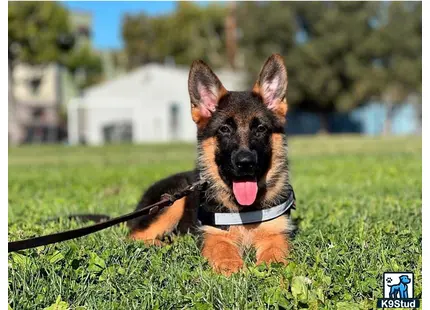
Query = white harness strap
x=252 y=216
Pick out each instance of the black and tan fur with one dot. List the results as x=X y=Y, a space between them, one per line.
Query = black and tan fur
x=230 y=125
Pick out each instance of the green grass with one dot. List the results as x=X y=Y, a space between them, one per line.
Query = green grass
x=359 y=212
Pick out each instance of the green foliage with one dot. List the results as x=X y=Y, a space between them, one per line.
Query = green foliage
x=400 y=50
x=58 y=305
x=358 y=212
x=35 y=27
x=33 y=32
x=85 y=60
x=347 y=53
x=191 y=32
x=339 y=55
x=331 y=69
x=266 y=28
x=139 y=39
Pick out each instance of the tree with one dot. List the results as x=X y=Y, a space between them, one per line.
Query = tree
x=336 y=68
x=34 y=30
x=265 y=28
x=339 y=55
x=201 y=35
x=86 y=66
x=139 y=37
x=36 y=35
x=39 y=33
x=399 y=55
x=189 y=33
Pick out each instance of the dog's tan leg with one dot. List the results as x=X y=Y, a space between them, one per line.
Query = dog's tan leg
x=272 y=248
x=271 y=241
x=163 y=224
x=222 y=251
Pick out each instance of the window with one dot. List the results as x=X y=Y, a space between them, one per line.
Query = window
x=37 y=113
x=118 y=132
x=174 y=121
x=35 y=85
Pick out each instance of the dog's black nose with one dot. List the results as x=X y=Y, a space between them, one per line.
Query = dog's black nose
x=245 y=160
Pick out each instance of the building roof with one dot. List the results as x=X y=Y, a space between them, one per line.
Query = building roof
x=154 y=80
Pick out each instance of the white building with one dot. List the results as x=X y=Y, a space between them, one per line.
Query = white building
x=149 y=104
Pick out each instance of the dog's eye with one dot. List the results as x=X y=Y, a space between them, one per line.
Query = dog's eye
x=225 y=129
x=261 y=129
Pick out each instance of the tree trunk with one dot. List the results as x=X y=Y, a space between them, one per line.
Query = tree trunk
x=388 y=119
x=419 y=117
x=323 y=123
x=230 y=35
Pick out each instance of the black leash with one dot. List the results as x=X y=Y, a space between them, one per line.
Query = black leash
x=90 y=217
x=166 y=201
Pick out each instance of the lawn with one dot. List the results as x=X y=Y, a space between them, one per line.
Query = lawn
x=358 y=213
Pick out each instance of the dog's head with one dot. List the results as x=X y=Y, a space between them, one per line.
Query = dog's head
x=241 y=141
x=405 y=279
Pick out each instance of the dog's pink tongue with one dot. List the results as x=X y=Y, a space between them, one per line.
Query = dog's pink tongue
x=245 y=192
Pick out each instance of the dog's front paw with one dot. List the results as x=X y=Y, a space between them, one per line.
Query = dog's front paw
x=228 y=266
x=154 y=242
x=138 y=236
x=222 y=255
x=272 y=255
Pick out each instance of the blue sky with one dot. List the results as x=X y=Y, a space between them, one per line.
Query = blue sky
x=107 y=16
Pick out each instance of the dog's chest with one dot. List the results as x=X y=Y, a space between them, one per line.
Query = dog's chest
x=247 y=235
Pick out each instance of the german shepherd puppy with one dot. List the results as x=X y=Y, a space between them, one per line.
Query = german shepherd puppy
x=242 y=154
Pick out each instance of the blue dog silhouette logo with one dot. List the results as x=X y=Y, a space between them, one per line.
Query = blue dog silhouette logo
x=399 y=290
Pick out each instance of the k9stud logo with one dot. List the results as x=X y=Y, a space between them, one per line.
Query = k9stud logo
x=398 y=290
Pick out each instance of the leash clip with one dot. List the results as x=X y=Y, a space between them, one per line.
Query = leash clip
x=154 y=210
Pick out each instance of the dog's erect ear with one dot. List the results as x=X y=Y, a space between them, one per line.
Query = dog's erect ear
x=272 y=84
x=205 y=90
